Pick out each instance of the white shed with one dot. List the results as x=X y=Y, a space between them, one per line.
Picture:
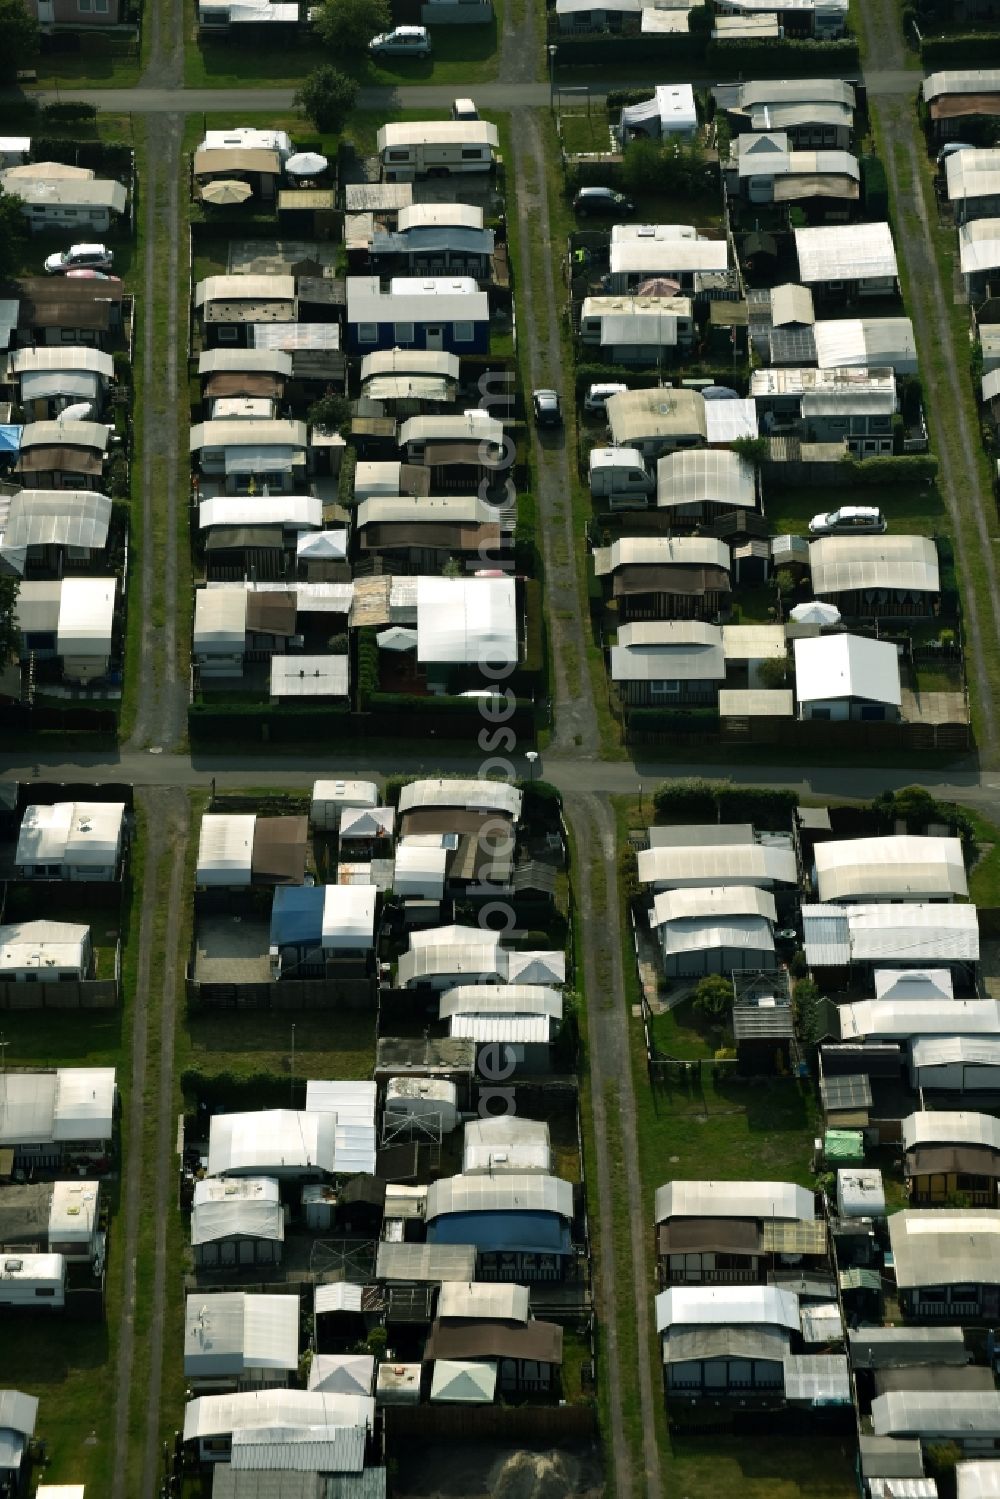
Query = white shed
x=329 y=798
x=225 y=849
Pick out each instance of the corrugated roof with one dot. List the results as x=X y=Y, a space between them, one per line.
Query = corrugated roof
x=818 y=1378
x=945 y=1247
x=899 y=1019
x=906 y=563
x=895 y=866
x=501 y=999
x=252 y=1410
x=943 y=1051
x=683 y=1344
x=512 y=1192
x=709 y=934
x=937 y=1412
x=716 y=864
x=978 y=1479
x=845 y=252
x=763 y=1200
x=704 y=902
x=699 y=477
x=728 y=1306
x=229 y=1332
x=227 y=1207
x=973 y=173
x=435 y=1263
x=948 y=1127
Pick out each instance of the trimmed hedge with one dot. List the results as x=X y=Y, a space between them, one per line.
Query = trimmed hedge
x=673 y=720
x=716 y=801
x=756 y=59
x=969 y=46
x=906 y=468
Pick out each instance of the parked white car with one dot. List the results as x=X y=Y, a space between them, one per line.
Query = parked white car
x=80 y=258
x=596 y=398
x=402 y=41
x=849 y=520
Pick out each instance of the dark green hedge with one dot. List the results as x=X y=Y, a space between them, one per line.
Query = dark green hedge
x=971 y=46
x=673 y=720
x=715 y=801
x=764 y=58
x=907 y=468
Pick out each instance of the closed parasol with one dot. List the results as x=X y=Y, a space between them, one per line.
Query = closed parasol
x=226 y=191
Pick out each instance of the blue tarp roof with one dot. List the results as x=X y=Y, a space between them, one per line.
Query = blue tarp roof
x=531 y=1233
x=297 y=915
x=10 y=439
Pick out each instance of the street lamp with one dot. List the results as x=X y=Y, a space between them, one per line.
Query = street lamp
x=552 y=76
x=531 y=756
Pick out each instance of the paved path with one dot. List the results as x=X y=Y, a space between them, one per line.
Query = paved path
x=495 y=96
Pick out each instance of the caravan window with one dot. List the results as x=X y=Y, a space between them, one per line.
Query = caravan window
x=402 y=155
x=463 y=333
x=403 y=333
x=472 y=153
x=367 y=333
x=664 y=688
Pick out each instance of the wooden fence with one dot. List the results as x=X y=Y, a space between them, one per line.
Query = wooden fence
x=86 y=994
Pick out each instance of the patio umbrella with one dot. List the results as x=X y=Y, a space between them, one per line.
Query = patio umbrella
x=226 y=190
x=396 y=638
x=78 y=412
x=816 y=613
x=306 y=164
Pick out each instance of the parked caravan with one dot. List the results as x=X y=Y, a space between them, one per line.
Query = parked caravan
x=29 y=1280
x=619 y=475
x=436 y=148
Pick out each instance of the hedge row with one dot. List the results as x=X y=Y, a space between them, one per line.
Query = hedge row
x=762 y=58
x=712 y=801
x=969 y=46
x=673 y=720
x=905 y=468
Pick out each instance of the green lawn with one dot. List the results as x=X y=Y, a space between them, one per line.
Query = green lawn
x=683 y=1033
x=88 y=70
x=462 y=55
x=338 y=1044
x=68 y=1366
x=916 y=508
x=772 y=1466
x=586 y=132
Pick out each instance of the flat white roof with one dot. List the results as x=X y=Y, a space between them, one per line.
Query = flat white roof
x=42 y=945
x=830 y=667
x=973 y=174
x=466 y=620
x=70 y=833
x=86 y=616
x=230 y=1332
x=67 y=1104
x=769 y=1201
x=349 y=916
x=437 y=133
x=225 y=848
x=271 y=1140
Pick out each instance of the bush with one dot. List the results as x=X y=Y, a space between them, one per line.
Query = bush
x=331 y=413
x=973 y=46
x=685 y=801
x=713 y=996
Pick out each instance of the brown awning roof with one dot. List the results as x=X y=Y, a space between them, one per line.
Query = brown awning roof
x=542 y=1341
x=414 y=478
x=954 y=106
x=279 y=849
x=92 y=317
x=456 y=820
x=44 y=460
x=445 y=454
x=705 y=1235
x=246 y=383
x=69 y=289
x=226 y=161
x=443 y=536
x=227 y=538
x=968 y=1160
x=689 y=581
x=272 y=612
x=935 y=1377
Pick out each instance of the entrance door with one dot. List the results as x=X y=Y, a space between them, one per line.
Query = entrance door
x=46 y=12
x=435 y=338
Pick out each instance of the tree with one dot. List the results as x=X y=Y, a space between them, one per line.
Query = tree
x=18 y=37
x=13 y=234
x=713 y=996
x=773 y=672
x=349 y=25
x=10 y=635
x=326 y=97
x=642 y=166
x=331 y=413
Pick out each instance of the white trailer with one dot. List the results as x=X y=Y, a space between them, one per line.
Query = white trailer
x=33 y=1280
x=436 y=148
x=620 y=476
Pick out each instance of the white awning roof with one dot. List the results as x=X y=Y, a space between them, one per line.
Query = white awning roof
x=349 y=916
x=897 y=866
x=230 y=1332
x=846 y=252
x=727 y=1306
x=505 y=1193
x=271 y=1140
x=766 y=1201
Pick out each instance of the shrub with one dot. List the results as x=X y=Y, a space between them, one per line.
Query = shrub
x=327 y=97
x=713 y=996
